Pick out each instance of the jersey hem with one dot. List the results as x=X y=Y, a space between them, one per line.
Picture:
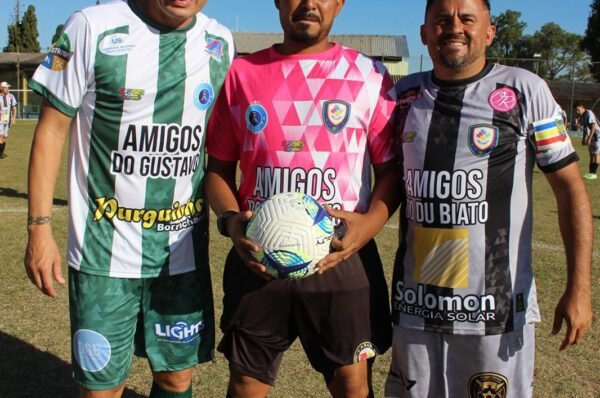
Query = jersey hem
x=56 y=103
x=124 y=275
x=463 y=332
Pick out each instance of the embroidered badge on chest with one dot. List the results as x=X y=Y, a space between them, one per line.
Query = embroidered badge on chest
x=336 y=115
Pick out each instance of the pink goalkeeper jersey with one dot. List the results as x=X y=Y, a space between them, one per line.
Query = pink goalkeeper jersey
x=308 y=123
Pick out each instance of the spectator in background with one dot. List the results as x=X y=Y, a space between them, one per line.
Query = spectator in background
x=8 y=115
x=589 y=126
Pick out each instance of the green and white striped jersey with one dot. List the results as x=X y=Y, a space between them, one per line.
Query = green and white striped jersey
x=140 y=95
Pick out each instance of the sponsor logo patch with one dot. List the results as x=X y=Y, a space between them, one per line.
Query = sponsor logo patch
x=365 y=351
x=132 y=94
x=181 y=332
x=204 y=95
x=503 y=100
x=408 y=137
x=489 y=385
x=214 y=48
x=59 y=55
x=91 y=350
x=408 y=97
x=115 y=45
x=257 y=118
x=483 y=138
x=336 y=115
x=293 y=146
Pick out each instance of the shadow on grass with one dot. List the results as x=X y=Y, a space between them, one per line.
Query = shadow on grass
x=26 y=371
x=12 y=193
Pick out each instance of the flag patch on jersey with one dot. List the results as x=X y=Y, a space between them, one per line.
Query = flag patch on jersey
x=549 y=135
x=441 y=257
x=483 y=138
x=336 y=115
x=59 y=55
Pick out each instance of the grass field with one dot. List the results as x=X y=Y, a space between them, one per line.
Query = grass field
x=34 y=330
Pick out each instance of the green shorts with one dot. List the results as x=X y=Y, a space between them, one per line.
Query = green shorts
x=169 y=320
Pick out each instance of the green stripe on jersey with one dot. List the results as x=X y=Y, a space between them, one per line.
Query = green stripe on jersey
x=110 y=72
x=168 y=109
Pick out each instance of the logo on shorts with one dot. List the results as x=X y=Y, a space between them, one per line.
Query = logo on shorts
x=256 y=118
x=204 y=96
x=365 y=351
x=489 y=385
x=181 y=332
x=336 y=115
x=483 y=138
x=503 y=100
x=91 y=350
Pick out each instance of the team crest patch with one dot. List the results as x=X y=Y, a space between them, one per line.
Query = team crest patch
x=483 y=138
x=204 y=95
x=256 y=118
x=214 y=48
x=336 y=115
x=492 y=385
x=59 y=55
x=503 y=100
x=91 y=350
x=365 y=351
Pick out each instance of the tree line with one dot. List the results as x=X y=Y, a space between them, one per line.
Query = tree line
x=551 y=52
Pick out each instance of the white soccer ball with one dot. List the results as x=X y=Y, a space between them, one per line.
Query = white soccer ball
x=294 y=232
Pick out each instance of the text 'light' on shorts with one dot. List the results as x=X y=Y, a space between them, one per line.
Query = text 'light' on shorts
x=169 y=320
x=341 y=317
x=429 y=364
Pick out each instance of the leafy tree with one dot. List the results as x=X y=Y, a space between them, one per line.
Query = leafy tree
x=591 y=39
x=23 y=33
x=559 y=51
x=57 y=33
x=509 y=31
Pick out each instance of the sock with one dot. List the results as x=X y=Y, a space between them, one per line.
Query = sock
x=158 y=392
x=593 y=168
x=2 y=148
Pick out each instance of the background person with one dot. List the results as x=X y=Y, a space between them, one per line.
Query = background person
x=589 y=126
x=323 y=118
x=131 y=83
x=8 y=115
x=463 y=297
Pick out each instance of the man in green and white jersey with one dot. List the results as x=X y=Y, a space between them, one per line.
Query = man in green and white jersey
x=132 y=83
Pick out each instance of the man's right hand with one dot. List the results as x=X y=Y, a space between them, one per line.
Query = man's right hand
x=244 y=246
x=42 y=260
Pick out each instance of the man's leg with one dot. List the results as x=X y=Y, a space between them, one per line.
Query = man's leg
x=112 y=393
x=172 y=384
x=352 y=381
x=241 y=386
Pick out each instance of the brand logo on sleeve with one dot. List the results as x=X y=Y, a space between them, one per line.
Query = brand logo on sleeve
x=59 y=55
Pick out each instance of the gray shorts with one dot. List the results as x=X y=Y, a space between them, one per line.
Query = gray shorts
x=426 y=364
x=594 y=147
x=4 y=129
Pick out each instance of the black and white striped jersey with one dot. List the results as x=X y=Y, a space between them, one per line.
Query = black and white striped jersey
x=468 y=148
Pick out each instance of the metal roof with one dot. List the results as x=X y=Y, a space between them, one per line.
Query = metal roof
x=32 y=59
x=394 y=47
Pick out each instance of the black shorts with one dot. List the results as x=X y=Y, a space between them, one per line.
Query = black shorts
x=341 y=317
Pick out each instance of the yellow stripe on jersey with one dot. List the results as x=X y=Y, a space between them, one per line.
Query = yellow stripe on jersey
x=441 y=257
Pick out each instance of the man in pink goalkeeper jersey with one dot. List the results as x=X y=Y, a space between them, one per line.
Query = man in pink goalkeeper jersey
x=311 y=116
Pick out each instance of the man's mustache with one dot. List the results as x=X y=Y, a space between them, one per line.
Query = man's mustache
x=306 y=16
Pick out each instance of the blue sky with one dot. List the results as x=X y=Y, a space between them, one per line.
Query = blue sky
x=384 y=17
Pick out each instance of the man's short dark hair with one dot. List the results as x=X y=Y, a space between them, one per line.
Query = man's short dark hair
x=430 y=3
x=579 y=104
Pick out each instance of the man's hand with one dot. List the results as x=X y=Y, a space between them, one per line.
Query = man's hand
x=244 y=246
x=42 y=260
x=575 y=309
x=356 y=231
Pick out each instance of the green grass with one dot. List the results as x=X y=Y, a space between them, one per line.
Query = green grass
x=34 y=330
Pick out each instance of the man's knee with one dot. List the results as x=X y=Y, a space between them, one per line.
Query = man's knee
x=179 y=381
x=351 y=381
